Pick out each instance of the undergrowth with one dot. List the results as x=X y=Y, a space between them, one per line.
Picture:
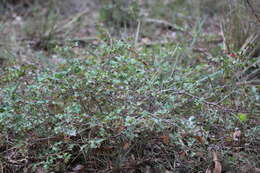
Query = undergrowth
x=121 y=105
x=118 y=106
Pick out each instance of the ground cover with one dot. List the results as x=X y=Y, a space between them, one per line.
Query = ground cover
x=162 y=88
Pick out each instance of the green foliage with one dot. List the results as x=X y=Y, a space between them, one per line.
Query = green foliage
x=242 y=117
x=89 y=99
x=116 y=103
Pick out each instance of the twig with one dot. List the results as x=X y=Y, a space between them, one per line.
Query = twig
x=183 y=92
x=252 y=82
x=70 y=22
x=253 y=10
x=110 y=38
x=215 y=104
x=137 y=33
x=91 y=52
x=247 y=68
x=225 y=46
x=220 y=101
x=48 y=139
x=253 y=74
x=97 y=103
x=249 y=42
x=154 y=43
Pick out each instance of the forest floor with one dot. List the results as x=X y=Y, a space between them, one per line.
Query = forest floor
x=93 y=87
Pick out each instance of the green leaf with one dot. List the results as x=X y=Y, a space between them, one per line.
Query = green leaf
x=242 y=117
x=2 y=110
x=59 y=76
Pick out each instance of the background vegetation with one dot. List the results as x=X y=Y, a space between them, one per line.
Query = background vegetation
x=129 y=86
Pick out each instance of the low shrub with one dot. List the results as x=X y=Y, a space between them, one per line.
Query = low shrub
x=118 y=105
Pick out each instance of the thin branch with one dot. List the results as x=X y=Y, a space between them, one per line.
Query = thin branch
x=137 y=33
x=253 y=10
